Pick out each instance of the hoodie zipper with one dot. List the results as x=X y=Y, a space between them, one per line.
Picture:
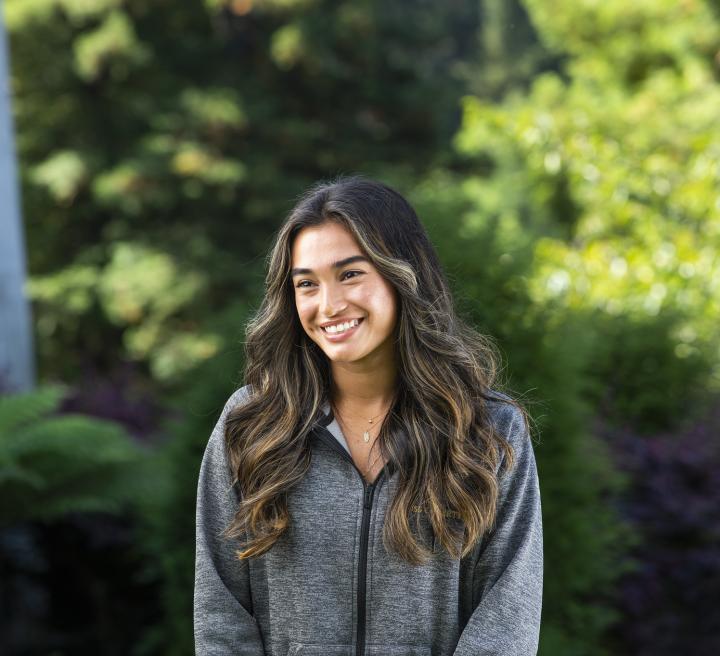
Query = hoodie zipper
x=368 y=492
x=369 y=489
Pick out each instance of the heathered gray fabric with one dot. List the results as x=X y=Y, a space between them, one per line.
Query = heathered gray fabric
x=300 y=598
x=335 y=429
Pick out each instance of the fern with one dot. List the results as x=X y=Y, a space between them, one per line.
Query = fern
x=52 y=464
x=18 y=409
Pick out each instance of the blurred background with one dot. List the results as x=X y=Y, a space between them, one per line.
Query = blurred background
x=565 y=158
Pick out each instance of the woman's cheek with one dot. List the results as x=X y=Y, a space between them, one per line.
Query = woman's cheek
x=361 y=296
x=302 y=313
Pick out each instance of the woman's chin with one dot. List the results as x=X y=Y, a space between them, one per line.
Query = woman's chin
x=342 y=355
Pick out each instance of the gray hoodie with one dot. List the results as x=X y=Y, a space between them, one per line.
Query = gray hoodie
x=328 y=587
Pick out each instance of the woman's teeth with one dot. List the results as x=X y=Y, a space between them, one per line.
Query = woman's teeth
x=341 y=327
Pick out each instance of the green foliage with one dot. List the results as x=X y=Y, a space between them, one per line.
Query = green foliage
x=613 y=164
x=184 y=135
x=53 y=465
x=618 y=43
x=110 y=47
x=639 y=379
x=167 y=527
x=63 y=174
x=143 y=291
x=19 y=15
x=576 y=212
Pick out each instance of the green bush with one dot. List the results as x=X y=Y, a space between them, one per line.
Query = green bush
x=640 y=379
x=167 y=525
x=51 y=465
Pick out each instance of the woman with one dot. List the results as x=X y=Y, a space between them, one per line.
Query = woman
x=368 y=491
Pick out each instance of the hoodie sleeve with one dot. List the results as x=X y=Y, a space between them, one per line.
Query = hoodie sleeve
x=508 y=575
x=223 y=620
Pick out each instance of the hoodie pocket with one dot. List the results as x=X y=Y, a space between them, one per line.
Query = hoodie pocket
x=398 y=650
x=299 y=649
x=422 y=528
x=427 y=535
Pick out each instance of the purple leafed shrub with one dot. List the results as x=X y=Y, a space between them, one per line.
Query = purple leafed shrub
x=122 y=396
x=671 y=603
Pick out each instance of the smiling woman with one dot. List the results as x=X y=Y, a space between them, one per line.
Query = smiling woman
x=343 y=288
x=350 y=313
x=369 y=491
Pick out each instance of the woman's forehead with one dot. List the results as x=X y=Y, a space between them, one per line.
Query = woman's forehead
x=323 y=246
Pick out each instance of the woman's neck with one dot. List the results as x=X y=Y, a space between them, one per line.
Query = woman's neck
x=362 y=391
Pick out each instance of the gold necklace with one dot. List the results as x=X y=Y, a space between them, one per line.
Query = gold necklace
x=366 y=432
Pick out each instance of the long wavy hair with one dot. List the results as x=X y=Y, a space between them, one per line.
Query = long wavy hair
x=437 y=435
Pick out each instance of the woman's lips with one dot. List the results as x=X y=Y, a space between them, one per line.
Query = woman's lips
x=340 y=337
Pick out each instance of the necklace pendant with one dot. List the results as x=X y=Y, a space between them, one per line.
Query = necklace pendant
x=366 y=436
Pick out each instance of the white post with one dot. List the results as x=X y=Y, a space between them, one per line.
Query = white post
x=17 y=366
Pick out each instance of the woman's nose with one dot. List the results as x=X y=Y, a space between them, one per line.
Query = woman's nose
x=332 y=302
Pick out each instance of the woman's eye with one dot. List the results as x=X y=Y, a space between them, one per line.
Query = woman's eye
x=304 y=284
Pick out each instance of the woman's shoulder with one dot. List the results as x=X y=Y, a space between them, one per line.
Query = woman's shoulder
x=507 y=417
x=501 y=406
x=238 y=397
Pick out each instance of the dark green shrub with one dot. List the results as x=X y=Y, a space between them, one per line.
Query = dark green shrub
x=51 y=465
x=168 y=517
x=68 y=483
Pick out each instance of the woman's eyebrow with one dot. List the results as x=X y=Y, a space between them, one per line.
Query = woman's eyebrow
x=335 y=265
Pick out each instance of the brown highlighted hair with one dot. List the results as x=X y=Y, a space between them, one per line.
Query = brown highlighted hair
x=438 y=434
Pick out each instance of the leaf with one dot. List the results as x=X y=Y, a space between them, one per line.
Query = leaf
x=19 y=409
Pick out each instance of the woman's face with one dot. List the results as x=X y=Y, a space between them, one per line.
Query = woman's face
x=335 y=284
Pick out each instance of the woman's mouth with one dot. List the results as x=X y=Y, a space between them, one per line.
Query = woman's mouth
x=342 y=331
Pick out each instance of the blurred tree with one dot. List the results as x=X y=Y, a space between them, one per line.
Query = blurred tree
x=506 y=52
x=606 y=163
x=161 y=144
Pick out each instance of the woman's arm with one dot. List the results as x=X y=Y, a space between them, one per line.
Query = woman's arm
x=223 y=621
x=509 y=571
